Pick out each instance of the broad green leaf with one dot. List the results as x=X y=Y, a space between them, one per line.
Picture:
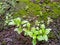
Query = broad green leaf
x=47 y=31
x=27 y=32
x=33 y=29
x=24 y=25
x=40 y=31
x=42 y=26
x=28 y=25
x=30 y=34
x=45 y=37
x=17 y=21
x=23 y=22
x=34 y=36
x=34 y=42
x=40 y=38
x=11 y=23
x=36 y=33
x=19 y=30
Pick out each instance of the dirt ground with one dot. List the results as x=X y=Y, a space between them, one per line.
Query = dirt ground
x=9 y=37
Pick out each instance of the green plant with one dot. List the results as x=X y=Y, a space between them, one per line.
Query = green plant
x=18 y=22
x=7 y=8
x=39 y=34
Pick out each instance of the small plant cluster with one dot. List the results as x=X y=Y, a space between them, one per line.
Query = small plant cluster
x=6 y=10
x=39 y=33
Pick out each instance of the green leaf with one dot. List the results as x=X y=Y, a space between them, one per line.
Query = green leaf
x=37 y=22
x=19 y=30
x=11 y=23
x=23 y=22
x=28 y=25
x=40 y=38
x=17 y=21
x=33 y=29
x=40 y=31
x=34 y=41
x=36 y=33
x=42 y=26
x=41 y=13
x=34 y=36
x=27 y=32
x=47 y=31
x=30 y=34
x=26 y=7
x=45 y=37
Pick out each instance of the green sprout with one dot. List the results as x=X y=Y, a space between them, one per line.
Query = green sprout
x=40 y=34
